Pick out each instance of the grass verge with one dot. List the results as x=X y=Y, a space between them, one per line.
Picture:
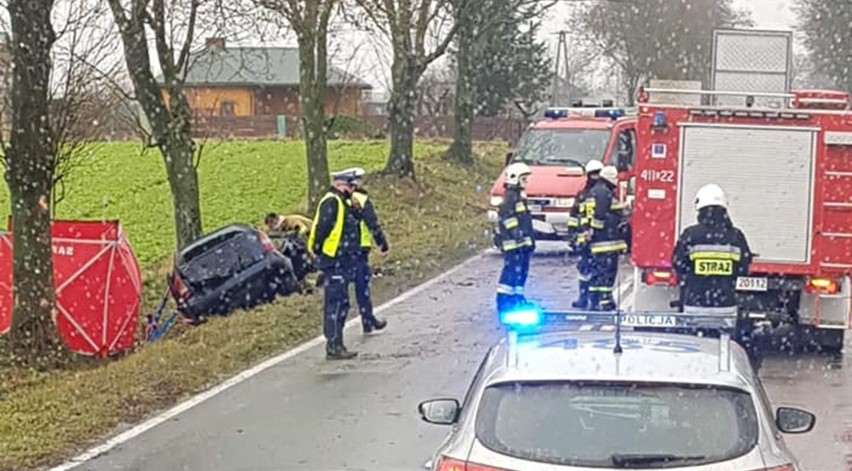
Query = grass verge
x=432 y=224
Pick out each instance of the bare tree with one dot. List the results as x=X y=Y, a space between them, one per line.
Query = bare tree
x=309 y=19
x=658 y=38
x=83 y=94
x=410 y=25
x=33 y=339
x=170 y=118
x=476 y=21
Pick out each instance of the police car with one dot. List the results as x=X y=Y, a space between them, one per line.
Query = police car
x=586 y=391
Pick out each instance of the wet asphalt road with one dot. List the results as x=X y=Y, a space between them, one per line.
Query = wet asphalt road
x=309 y=414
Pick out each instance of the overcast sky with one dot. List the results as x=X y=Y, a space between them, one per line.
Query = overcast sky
x=767 y=14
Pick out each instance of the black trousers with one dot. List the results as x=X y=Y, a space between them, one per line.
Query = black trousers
x=363 y=276
x=336 y=303
x=603 y=273
x=584 y=276
x=516 y=269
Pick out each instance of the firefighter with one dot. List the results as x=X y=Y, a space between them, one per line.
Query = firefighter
x=516 y=238
x=708 y=258
x=606 y=243
x=577 y=225
x=370 y=230
x=336 y=239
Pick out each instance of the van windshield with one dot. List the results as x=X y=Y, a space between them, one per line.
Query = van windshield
x=563 y=147
x=624 y=425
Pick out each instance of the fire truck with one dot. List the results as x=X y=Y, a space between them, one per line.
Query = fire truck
x=787 y=173
x=556 y=149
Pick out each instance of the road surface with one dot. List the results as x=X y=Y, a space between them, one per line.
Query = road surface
x=309 y=414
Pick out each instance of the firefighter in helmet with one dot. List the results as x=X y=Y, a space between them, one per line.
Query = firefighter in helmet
x=708 y=258
x=515 y=238
x=578 y=223
x=606 y=243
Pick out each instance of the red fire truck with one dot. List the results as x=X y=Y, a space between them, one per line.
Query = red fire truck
x=556 y=149
x=787 y=173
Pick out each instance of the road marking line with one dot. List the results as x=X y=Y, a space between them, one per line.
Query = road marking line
x=134 y=432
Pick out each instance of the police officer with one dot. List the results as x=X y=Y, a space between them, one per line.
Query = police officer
x=708 y=258
x=369 y=226
x=515 y=238
x=606 y=242
x=336 y=239
x=578 y=224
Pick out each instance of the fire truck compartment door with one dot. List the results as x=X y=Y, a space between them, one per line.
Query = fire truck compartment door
x=767 y=174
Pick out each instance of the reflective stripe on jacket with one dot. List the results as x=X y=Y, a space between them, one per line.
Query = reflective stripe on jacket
x=331 y=244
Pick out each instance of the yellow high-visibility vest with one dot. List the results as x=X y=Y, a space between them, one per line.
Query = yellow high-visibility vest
x=366 y=241
x=331 y=243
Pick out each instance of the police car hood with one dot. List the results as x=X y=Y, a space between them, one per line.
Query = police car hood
x=550 y=181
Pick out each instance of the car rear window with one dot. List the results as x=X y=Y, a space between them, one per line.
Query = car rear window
x=628 y=426
x=219 y=263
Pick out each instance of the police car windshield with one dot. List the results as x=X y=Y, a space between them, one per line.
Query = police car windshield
x=571 y=147
x=617 y=425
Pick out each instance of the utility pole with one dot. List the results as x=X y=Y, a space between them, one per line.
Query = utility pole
x=561 y=74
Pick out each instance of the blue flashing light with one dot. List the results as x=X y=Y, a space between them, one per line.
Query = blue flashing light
x=527 y=316
x=659 y=119
x=612 y=113
x=555 y=113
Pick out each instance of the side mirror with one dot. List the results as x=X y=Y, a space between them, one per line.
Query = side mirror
x=439 y=411
x=791 y=420
x=509 y=156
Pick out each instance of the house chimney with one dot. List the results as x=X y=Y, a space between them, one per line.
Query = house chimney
x=216 y=43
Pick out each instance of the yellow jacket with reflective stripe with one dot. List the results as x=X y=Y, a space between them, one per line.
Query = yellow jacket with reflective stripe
x=331 y=244
x=366 y=241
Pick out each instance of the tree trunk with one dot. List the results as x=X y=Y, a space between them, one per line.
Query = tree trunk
x=171 y=128
x=401 y=118
x=461 y=150
x=312 y=57
x=33 y=339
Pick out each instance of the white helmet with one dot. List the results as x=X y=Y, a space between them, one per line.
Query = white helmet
x=593 y=165
x=515 y=171
x=610 y=174
x=710 y=195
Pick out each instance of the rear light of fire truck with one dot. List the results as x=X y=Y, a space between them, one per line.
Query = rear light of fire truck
x=449 y=464
x=660 y=277
x=822 y=286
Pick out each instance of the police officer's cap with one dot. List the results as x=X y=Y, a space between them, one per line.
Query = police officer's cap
x=349 y=175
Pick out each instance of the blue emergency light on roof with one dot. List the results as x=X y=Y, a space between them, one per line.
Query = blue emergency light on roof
x=613 y=113
x=530 y=320
x=556 y=113
x=522 y=317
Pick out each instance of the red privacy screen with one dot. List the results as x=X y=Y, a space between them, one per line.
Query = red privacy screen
x=98 y=286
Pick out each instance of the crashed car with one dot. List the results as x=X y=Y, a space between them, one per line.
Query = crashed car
x=234 y=267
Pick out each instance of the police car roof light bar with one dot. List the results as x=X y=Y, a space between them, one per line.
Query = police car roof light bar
x=531 y=320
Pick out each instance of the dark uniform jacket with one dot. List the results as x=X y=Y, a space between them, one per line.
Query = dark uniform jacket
x=367 y=213
x=606 y=214
x=577 y=220
x=516 y=227
x=708 y=258
x=350 y=239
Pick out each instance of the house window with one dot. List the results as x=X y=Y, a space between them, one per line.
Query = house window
x=226 y=108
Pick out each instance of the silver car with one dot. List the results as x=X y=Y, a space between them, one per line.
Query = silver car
x=567 y=401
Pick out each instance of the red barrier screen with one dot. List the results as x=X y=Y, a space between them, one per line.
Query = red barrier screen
x=98 y=286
